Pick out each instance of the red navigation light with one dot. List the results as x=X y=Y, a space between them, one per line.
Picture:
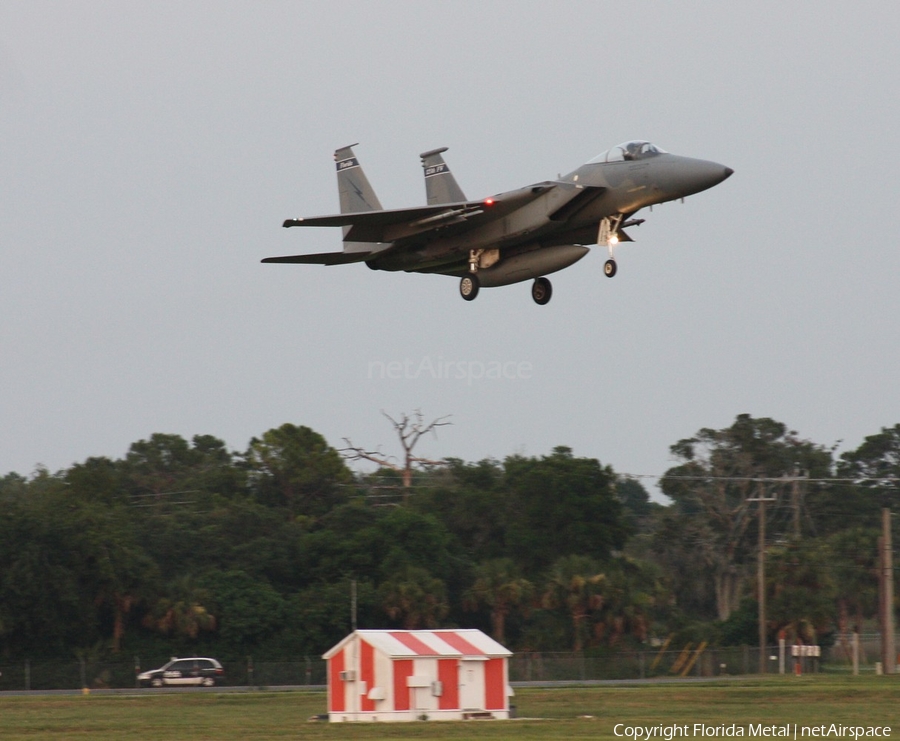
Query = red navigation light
x=488 y=201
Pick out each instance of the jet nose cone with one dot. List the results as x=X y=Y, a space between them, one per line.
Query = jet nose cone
x=702 y=174
x=684 y=176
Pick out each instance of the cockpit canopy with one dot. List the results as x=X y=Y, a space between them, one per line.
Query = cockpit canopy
x=634 y=150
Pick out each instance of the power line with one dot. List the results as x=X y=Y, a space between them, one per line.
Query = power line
x=766 y=479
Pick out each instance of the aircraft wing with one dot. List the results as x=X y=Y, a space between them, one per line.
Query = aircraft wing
x=395 y=224
x=380 y=218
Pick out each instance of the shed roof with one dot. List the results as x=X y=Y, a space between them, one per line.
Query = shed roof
x=449 y=642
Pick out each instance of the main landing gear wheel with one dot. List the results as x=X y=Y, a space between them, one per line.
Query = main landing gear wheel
x=609 y=268
x=541 y=291
x=468 y=287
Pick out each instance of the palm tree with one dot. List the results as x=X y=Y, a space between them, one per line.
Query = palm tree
x=855 y=569
x=632 y=592
x=499 y=587
x=802 y=589
x=415 y=598
x=182 y=612
x=575 y=583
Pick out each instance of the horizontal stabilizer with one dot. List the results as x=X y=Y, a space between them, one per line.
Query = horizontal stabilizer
x=322 y=258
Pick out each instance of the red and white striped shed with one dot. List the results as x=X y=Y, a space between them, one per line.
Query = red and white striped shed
x=392 y=675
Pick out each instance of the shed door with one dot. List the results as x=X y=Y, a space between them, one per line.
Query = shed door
x=471 y=685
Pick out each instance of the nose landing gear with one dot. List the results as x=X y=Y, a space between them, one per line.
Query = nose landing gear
x=608 y=234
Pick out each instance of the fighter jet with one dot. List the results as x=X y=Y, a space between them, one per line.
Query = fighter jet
x=510 y=237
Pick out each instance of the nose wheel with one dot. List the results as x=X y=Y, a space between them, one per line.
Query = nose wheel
x=541 y=291
x=608 y=235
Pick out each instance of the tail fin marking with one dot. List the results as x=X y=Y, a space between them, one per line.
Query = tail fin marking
x=440 y=185
x=355 y=192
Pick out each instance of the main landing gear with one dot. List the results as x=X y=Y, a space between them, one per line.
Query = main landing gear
x=468 y=286
x=541 y=289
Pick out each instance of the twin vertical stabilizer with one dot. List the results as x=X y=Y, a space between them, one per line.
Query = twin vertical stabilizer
x=440 y=185
x=353 y=186
x=355 y=191
x=357 y=195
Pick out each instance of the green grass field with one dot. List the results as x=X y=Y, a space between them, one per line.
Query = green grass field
x=573 y=713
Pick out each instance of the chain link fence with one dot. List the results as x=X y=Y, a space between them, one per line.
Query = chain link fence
x=690 y=661
x=686 y=661
x=123 y=675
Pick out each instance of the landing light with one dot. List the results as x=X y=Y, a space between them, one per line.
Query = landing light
x=614 y=239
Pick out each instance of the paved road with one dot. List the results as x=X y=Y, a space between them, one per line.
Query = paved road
x=321 y=687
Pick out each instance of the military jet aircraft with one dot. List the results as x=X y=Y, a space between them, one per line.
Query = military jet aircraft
x=520 y=235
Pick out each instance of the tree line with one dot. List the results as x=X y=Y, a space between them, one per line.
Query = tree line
x=189 y=547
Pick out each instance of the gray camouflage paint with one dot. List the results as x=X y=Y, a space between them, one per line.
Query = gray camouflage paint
x=513 y=236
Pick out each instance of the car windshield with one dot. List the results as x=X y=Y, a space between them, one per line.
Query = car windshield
x=633 y=150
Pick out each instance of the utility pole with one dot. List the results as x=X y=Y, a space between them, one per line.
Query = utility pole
x=796 y=496
x=761 y=574
x=888 y=652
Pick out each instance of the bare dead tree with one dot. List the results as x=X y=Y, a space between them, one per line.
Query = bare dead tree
x=409 y=430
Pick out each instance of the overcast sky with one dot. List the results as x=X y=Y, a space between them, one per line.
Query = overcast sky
x=150 y=151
